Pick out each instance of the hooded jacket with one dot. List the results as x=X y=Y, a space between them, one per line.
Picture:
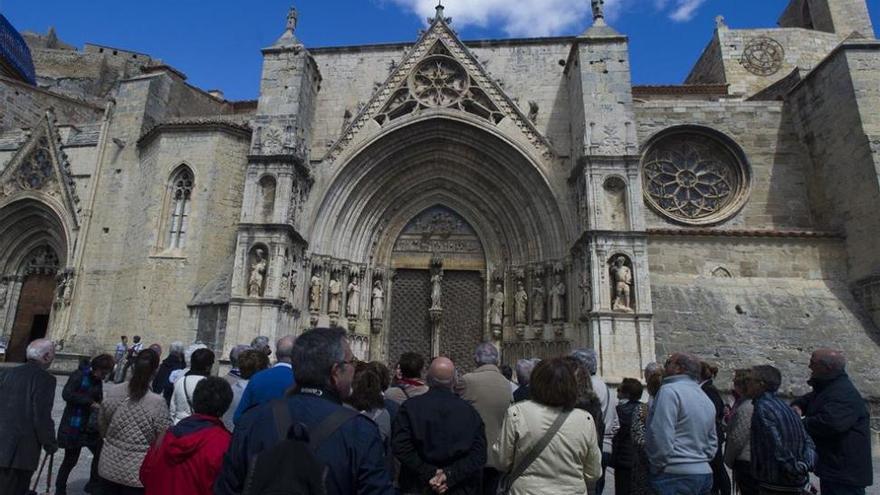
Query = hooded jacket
x=187 y=459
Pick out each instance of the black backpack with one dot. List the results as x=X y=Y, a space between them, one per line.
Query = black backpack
x=290 y=467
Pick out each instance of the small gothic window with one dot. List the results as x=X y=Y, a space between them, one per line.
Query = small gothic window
x=181 y=201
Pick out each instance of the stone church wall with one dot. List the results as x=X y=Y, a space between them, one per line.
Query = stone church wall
x=24 y=104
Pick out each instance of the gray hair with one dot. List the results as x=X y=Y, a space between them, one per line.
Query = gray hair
x=284 y=348
x=235 y=352
x=37 y=350
x=653 y=368
x=486 y=353
x=260 y=343
x=524 y=368
x=587 y=358
x=314 y=355
x=176 y=348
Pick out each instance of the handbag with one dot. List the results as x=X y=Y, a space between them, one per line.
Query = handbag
x=508 y=479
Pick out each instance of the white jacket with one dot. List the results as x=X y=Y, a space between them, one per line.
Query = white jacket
x=181 y=401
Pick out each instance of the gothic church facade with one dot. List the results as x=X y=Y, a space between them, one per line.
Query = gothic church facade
x=438 y=193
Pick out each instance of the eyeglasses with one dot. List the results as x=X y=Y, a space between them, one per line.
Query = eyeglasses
x=353 y=361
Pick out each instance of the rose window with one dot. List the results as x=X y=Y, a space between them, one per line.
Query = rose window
x=439 y=81
x=763 y=56
x=694 y=179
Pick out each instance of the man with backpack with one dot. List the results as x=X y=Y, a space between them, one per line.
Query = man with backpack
x=308 y=443
x=782 y=453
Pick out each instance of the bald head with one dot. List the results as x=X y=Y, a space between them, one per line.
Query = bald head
x=827 y=363
x=42 y=352
x=284 y=349
x=441 y=373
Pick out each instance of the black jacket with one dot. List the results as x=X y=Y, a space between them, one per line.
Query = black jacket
x=623 y=450
x=522 y=393
x=836 y=417
x=439 y=430
x=714 y=395
x=161 y=385
x=26 y=426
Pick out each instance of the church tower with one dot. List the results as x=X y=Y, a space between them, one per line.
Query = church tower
x=611 y=252
x=833 y=16
x=269 y=250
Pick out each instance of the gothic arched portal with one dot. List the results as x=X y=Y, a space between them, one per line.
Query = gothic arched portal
x=33 y=254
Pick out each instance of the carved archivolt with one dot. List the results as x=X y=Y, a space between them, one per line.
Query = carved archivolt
x=693 y=178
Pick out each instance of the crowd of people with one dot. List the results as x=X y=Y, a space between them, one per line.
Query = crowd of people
x=320 y=422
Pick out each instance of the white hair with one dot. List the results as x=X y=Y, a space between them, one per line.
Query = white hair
x=38 y=348
x=176 y=348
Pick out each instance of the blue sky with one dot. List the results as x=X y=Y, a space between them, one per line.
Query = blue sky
x=217 y=44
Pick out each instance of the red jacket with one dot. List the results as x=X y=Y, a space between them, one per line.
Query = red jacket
x=189 y=458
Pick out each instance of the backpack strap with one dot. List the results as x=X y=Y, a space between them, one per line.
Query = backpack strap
x=325 y=428
x=281 y=414
x=535 y=451
x=405 y=393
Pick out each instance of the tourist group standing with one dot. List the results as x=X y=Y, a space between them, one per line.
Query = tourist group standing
x=320 y=422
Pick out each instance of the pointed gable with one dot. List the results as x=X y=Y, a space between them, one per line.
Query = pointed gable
x=439 y=72
x=40 y=166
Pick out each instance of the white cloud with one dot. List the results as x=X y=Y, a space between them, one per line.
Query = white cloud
x=685 y=10
x=540 y=17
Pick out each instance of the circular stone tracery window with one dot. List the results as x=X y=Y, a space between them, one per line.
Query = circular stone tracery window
x=763 y=56
x=439 y=81
x=695 y=179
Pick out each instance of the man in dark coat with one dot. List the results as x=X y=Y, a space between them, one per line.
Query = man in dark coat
x=720 y=478
x=836 y=417
x=28 y=393
x=352 y=453
x=175 y=361
x=439 y=438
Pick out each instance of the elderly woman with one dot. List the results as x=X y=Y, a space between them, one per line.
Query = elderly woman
x=640 y=469
x=737 y=453
x=78 y=428
x=547 y=446
x=132 y=417
x=249 y=362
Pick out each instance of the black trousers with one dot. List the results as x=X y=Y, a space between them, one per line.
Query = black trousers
x=110 y=488
x=71 y=457
x=742 y=474
x=623 y=479
x=14 y=481
x=491 y=477
x=720 y=478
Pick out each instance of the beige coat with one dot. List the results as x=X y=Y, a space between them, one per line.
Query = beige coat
x=489 y=392
x=128 y=428
x=571 y=460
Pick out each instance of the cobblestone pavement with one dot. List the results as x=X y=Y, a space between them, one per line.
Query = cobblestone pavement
x=80 y=474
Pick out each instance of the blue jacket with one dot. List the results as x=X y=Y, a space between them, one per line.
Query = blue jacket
x=264 y=387
x=354 y=453
x=681 y=435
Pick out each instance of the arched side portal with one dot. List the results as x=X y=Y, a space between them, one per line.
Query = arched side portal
x=33 y=255
x=451 y=167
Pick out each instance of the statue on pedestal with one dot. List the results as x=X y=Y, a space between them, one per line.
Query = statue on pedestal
x=520 y=304
x=496 y=307
x=258 y=274
x=539 y=300
x=378 y=306
x=436 y=290
x=621 y=275
x=557 y=299
x=335 y=296
x=353 y=305
x=315 y=293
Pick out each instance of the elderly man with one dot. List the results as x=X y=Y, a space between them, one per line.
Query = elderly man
x=28 y=392
x=347 y=444
x=439 y=438
x=234 y=375
x=489 y=392
x=272 y=383
x=782 y=454
x=836 y=417
x=524 y=368
x=681 y=437
x=261 y=344
x=608 y=402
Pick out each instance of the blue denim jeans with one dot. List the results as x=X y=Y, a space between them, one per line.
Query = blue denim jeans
x=681 y=484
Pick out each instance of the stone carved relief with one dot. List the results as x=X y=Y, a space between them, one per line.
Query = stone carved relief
x=315 y=290
x=43 y=261
x=557 y=299
x=763 y=56
x=694 y=179
x=273 y=141
x=37 y=169
x=520 y=304
x=439 y=230
x=539 y=300
x=257 y=274
x=586 y=291
x=335 y=291
x=63 y=288
x=622 y=283
x=353 y=303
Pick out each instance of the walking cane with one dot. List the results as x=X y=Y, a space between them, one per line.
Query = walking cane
x=33 y=490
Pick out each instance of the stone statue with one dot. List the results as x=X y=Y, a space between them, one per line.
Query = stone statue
x=539 y=300
x=623 y=280
x=378 y=308
x=436 y=290
x=67 y=293
x=258 y=274
x=586 y=292
x=315 y=293
x=4 y=292
x=292 y=19
x=353 y=305
x=598 y=9
x=520 y=304
x=335 y=296
x=496 y=307
x=557 y=299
